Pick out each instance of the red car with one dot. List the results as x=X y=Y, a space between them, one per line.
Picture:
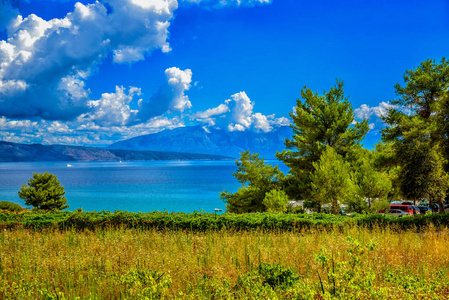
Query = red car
x=405 y=208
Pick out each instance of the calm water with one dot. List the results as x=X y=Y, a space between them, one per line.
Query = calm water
x=181 y=186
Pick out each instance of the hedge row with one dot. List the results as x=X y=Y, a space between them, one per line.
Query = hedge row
x=66 y=220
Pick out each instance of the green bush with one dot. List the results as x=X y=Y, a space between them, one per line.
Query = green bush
x=276 y=201
x=10 y=206
x=277 y=275
x=200 y=222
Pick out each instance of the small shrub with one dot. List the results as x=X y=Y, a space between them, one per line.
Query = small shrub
x=277 y=275
x=10 y=206
x=146 y=284
x=276 y=201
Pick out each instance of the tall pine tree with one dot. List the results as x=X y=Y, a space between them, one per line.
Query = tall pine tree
x=319 y=121
x=418 y=132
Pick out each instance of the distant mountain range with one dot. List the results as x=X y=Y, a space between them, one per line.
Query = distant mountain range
x=184 y=143
x=197 y=139
x=12 y=152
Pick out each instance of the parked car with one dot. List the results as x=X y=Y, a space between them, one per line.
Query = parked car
x=401 y=203
x=423 y=209
x=416 y=210
x=435 y=206
x=397 y=213
x=406 y=208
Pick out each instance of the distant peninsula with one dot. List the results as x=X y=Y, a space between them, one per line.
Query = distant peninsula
x=14 y=152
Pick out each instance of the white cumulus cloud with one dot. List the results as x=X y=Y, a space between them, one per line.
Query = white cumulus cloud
x=374 y=114
x=236 y=114
x=113 y=109
x=366 y=112
x=43 y=64
x=171 y=97
x=241 y=109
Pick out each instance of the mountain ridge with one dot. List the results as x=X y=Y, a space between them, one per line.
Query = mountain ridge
x=198 y=139
x=14 y=152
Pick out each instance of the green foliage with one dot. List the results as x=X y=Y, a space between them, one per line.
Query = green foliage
x=384 y=160
x=331 y=181
x=339 y=275
x=276 y=275
x=371 y=184
x=422 y=172
x=146 y=284
x=442 y=121
x=257 y=179
x=344 y=278
x=202 y=222
x=10 y=206
x=418 y=132
x=276 y=201
x=44 y=191
x=380 y=205
x=319 y=122
x=423 y=87
x=418 y=101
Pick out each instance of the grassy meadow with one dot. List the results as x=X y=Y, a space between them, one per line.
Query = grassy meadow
x=122 y=263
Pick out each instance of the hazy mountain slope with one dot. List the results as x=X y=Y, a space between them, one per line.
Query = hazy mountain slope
x=12 y=152
x=196 y=139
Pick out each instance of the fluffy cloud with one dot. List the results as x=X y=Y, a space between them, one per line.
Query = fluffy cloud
x=236 y=114
x=261 y=122
x=43 y=64
x=373 y=114
x=113 y=109
x=241 y=109
x=81 y=132
x=212 y=112
x=170 y=97
x=366 y=112
x=208 y=116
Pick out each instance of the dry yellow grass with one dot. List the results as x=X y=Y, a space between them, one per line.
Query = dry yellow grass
x=88 y=264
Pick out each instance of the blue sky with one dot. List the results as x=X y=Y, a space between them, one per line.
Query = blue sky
x=92 y=73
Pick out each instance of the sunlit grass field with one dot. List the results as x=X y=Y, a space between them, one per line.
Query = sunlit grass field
x=353 y=263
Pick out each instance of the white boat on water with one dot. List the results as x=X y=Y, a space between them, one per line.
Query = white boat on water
x=69 y=165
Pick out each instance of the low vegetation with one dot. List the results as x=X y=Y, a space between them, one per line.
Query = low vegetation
x=10 y=206
x=203 y=222
x=120 y=263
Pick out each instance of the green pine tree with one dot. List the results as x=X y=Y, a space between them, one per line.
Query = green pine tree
x=418 y=133
x=319 y=121
x=372 y=184
x=331 y=181
x=44 y=191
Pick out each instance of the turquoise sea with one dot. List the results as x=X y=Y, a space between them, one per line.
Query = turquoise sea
x=179 y=186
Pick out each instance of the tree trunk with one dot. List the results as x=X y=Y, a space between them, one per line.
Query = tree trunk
x=431 y=204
